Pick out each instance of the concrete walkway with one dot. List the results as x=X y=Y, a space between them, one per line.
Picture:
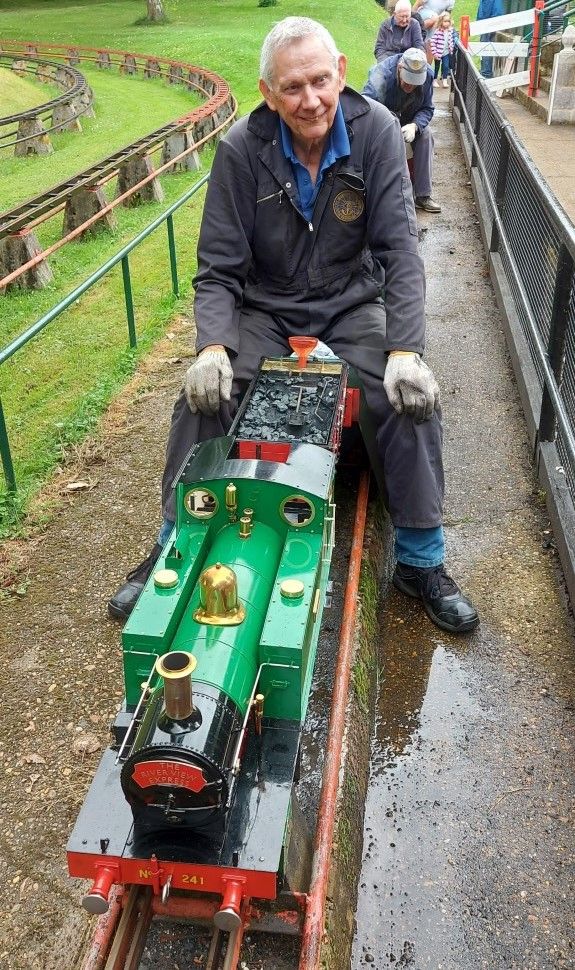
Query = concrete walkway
x=552 y=148
x=469 y=846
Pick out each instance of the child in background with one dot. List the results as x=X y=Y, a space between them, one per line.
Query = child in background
x=430 y=12
x=442 y=47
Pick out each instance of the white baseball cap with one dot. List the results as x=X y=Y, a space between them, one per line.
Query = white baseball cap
x=413 y=66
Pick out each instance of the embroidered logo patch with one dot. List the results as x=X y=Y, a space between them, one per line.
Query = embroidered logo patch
x=348 y=206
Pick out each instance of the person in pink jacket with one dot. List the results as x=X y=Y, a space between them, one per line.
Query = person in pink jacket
x=442 y=47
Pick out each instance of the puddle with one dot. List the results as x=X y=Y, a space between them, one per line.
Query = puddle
x=422 y=784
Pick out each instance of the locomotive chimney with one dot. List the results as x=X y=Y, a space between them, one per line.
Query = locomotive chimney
x=177 y=668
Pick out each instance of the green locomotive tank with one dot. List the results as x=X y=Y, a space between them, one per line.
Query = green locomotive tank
x=219 y=652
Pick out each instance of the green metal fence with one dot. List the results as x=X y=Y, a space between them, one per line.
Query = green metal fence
x=121 y=257
x=515 y=6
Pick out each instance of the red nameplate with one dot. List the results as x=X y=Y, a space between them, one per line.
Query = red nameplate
x=148 y=773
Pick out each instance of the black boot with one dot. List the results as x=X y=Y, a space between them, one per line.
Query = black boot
x=442 y=598
x=124 y=601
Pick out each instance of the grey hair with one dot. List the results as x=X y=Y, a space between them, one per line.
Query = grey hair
x=287 y=32
x=402 y=5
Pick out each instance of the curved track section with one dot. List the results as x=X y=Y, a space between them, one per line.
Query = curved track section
x=201 y=122
x=76 y=92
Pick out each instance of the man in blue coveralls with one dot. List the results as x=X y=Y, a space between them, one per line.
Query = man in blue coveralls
x=404 y=84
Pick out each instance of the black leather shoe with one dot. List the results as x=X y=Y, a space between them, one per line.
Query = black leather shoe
x=442 y=598
x=426 y=203
x=124 y=601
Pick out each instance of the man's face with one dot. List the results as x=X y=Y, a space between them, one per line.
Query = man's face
x=305 y=89
x=408 y=88
x=402 y=17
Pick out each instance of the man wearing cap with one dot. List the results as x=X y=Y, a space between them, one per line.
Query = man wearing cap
x=404 y=84
x=309 y=229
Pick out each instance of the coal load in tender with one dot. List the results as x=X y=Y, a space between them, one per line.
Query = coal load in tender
x=291 y=407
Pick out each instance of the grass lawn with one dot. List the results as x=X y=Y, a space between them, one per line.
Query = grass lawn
x=125 y=109
x=20 y=93
x=54 y=389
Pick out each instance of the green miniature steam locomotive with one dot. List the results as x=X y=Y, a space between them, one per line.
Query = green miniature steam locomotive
x=194 y=792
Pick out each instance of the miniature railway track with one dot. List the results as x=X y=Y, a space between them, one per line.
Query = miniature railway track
x=120 y=940
x=218 y=108
x=77 y=86
x=48 y=203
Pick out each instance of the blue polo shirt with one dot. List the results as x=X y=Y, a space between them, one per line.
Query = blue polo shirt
x=337 y=147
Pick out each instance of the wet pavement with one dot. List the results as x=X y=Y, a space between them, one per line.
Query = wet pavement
x=469 y=842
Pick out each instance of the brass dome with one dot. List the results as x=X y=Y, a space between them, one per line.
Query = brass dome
x=219 y=604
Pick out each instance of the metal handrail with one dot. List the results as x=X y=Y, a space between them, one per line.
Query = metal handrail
x=512 y=198
x=554 y=4
x=564 y=226
x=549 y=8
x=541 y=16
x=66 y=302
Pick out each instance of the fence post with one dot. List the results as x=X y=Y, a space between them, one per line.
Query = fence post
x=501 y=184
x=535 y=49
x=464 y=32
x=5 y=452
x=476 y=122
x=462 y=81
x=564 y=278
x=173 y=260
x=129 y=301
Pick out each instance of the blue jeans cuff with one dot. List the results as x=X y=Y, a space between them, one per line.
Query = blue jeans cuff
x=423 y=548
x=419 y=563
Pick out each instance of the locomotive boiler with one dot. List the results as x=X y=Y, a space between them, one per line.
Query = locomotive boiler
x=194 y=792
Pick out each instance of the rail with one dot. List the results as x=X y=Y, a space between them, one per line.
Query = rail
x=33 y=211
x=531 y=251
x=121 y=257
x=200 y=124
x=77 y=94
x=543 y=12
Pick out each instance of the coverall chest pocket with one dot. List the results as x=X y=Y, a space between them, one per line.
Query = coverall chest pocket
x=344 y=224
x=274 y=231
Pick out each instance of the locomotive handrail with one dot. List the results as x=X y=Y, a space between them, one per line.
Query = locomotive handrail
x=121 y=257
x=143 y=695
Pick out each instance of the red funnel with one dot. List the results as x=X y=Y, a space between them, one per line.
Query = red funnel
x=302 y=346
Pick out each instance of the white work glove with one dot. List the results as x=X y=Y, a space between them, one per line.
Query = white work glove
x=411 y=386
x=208 y=381
x=409 y=132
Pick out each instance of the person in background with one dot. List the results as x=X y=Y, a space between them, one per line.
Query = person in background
x=308 y=213
x=430 y=11
x=486 y=10
x=404 y=84
x=398 y=32
x=443 y=46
